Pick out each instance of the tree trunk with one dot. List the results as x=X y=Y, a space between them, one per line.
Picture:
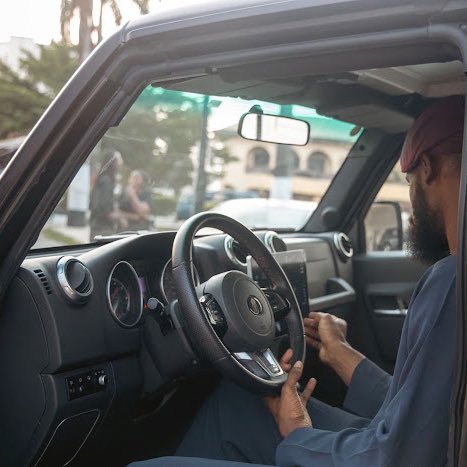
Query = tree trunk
x=99 y=26
x=85 y=29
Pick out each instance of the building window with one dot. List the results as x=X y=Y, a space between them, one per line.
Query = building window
x=257 y=160
x=318 y=164
x=294 y=160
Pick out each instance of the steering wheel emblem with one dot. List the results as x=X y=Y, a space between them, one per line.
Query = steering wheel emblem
x=254 y=305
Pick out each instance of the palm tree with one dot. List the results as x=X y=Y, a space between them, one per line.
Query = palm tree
x=89 y=34
x=143 y=6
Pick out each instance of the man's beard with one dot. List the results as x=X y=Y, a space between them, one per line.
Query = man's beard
x=427 y=238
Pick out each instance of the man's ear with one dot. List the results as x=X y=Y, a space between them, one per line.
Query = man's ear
x=427 y=169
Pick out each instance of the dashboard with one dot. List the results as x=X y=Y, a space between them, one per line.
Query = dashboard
x=104 y=328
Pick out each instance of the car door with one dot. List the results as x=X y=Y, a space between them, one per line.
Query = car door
x=385 y=275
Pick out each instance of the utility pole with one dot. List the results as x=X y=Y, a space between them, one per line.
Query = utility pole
x=281 y=187
x=200 y=182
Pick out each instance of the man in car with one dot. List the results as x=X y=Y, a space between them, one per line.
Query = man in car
x=402 y=420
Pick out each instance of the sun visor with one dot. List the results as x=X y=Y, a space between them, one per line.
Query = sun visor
x=371 y=116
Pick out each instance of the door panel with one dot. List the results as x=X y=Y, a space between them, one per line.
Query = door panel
x=385 y=282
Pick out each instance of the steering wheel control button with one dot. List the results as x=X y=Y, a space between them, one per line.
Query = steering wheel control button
x=252 y=365
x=213 y=310
x=86 y=383
x=279 y=305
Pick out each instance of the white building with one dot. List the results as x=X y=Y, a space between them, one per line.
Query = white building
x=12 y=51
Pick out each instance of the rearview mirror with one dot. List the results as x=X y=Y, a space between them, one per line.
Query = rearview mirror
x=274 y=129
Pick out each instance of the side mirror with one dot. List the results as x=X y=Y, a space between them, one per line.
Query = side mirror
x=383 y=227
x=274 y=129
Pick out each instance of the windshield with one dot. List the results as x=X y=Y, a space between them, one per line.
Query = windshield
x=177 y=153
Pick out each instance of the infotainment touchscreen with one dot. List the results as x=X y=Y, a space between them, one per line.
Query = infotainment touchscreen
x=293 y=262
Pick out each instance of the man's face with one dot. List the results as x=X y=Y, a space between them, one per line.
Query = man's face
x=427 y=238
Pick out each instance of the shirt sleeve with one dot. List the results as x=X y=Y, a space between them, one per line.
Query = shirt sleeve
x=367 y=389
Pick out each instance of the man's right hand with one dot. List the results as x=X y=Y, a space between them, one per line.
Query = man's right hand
x=327 y=333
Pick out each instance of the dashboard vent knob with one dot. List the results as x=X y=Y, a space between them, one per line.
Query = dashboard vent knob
x=75 y=279
x=343 y=246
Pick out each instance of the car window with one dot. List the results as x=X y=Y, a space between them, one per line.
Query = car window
x=177 y=153
x=387 y=221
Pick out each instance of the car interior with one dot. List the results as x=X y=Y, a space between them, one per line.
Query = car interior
x=108 y=347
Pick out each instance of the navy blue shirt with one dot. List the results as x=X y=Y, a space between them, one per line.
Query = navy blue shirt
x=411 y=426
x=367 y=389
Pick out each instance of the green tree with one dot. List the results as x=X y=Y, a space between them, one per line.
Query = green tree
x=90 y=34
x=26 y=94
x=158 y=135
x=52 y=68
x=161 y=135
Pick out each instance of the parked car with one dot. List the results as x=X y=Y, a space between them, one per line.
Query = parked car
x=263 y=213
x=98 y=363
x=186 y=203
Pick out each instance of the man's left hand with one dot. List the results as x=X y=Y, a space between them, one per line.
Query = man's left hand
x=289 y=409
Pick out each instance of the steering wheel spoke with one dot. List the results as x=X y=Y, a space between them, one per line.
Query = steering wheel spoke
x=279 y=304
x=263 y=363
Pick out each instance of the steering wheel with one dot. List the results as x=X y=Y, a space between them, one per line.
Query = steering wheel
x=229 y=319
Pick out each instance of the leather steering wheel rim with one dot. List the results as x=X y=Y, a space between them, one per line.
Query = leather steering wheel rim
x=207 y=344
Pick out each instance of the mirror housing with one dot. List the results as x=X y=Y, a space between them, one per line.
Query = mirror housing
x=274 y=129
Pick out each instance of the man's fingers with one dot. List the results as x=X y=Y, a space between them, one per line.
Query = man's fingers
x=294 y=375
x=312 y=332
x=313 y=343
x=315 y=315
x=310 y=323
x=285 y=360
x=308 y=391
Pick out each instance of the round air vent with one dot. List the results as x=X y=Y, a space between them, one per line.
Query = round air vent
x=273 y=242
x=343 y=246
x=234 y=251
x=75 y=279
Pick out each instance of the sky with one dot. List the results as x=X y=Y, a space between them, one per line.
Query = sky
x=40 y=19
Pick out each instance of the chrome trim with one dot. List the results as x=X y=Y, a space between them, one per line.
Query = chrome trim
x=109 y=301
x=228 y=246
x=69 y=291
x=269 y=240
x=81 y=445
x=338 y=243
x=267 y=355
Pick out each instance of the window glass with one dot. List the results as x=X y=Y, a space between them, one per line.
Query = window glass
x=176 y=153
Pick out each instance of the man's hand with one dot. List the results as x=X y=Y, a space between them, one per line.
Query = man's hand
x=327 y=333
x=285 y=360
x=289 y=410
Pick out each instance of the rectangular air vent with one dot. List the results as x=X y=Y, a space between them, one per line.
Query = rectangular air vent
x=43 y=278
